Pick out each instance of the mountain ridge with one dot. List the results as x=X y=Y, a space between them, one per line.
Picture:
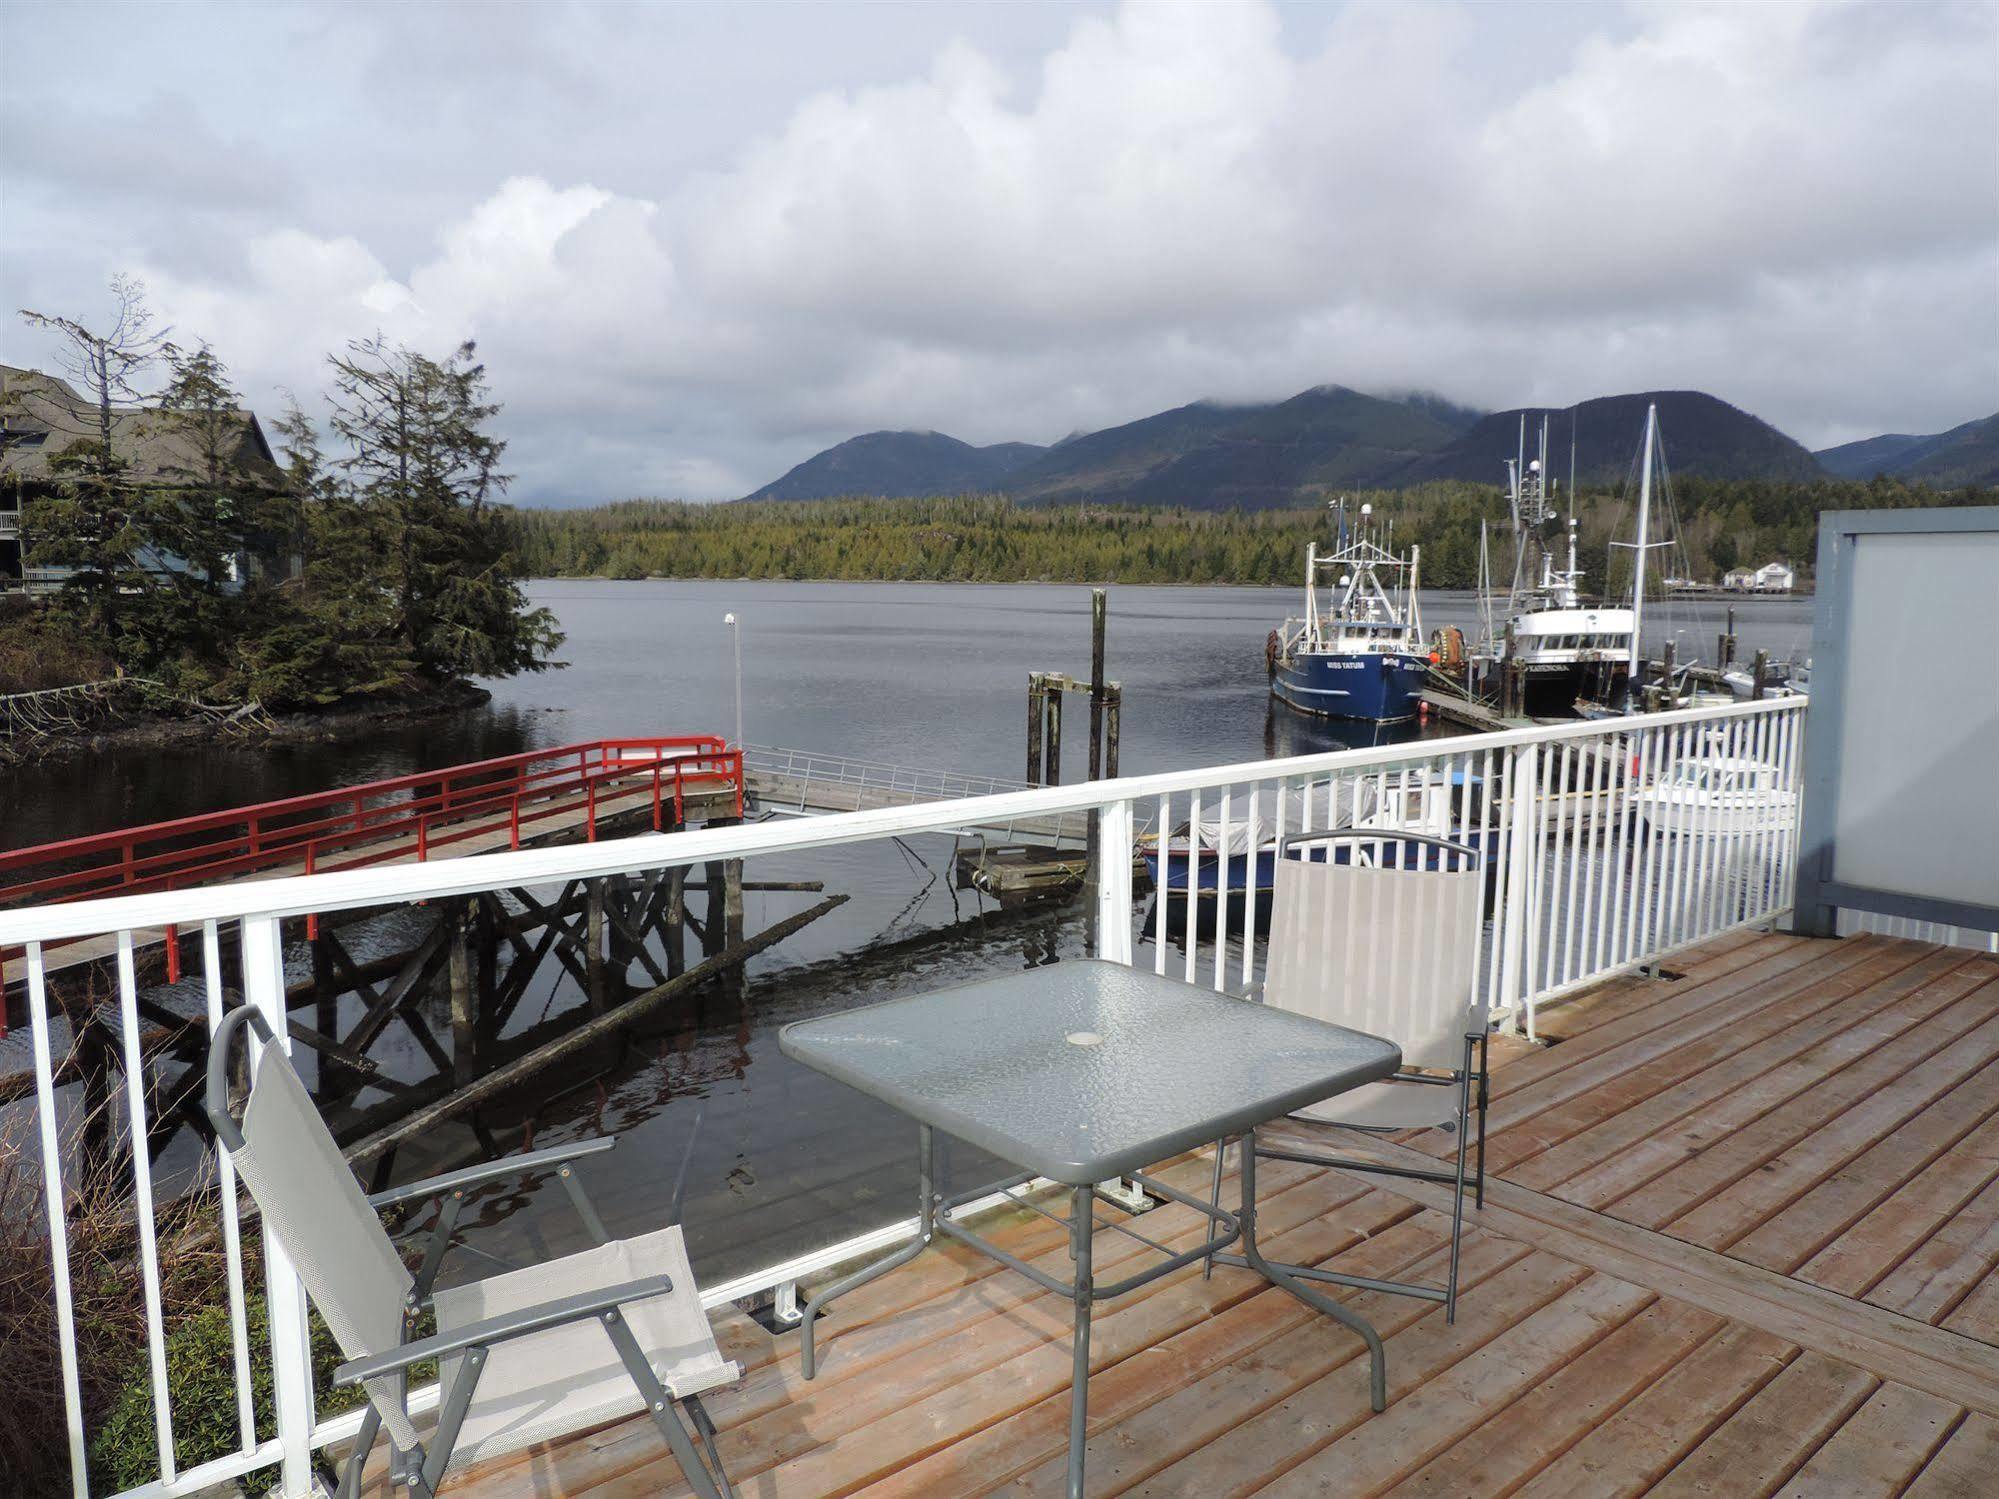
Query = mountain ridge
x=1212 y=455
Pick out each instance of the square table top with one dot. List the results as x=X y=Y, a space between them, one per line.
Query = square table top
x=1082 y=1071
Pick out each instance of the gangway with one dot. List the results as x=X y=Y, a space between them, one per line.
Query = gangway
x=802 y=783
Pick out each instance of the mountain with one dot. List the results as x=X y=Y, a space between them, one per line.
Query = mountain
x=896 y=465
x=1326 y=436
x=1703 y=436
x=1964 y=455
x=1097 y=465
x=1210 y=456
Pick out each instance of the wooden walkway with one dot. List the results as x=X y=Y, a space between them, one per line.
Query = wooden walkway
x=1740 y=1240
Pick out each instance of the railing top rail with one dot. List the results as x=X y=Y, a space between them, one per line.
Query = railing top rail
x=751 y=752
x=351 y=889
x=89 y=843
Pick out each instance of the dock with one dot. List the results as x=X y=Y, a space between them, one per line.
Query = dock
x=1455 y=707
x=1739 y=1238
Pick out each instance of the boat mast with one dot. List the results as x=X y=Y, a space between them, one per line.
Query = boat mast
x=1631 y=682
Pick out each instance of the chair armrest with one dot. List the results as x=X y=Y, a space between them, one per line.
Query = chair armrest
x=516 y=1324
x=471 y=1176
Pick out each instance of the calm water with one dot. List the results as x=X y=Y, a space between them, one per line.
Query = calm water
x=927 y=675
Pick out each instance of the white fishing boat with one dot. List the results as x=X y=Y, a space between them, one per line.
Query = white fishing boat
x=1565 y=650
x=1720 y=797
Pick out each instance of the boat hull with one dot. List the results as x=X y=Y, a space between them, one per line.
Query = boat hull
x=1380 y=687
x=1389 y=851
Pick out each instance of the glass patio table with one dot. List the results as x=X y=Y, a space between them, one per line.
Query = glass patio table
x=1081 y=1073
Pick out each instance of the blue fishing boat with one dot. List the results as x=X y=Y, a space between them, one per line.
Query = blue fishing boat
x=1358 y=652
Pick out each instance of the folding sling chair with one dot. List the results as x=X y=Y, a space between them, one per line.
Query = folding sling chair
x=1381 y=934
x=526 y=1355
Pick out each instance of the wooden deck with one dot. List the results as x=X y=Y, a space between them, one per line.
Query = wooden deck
x=1740 y=1239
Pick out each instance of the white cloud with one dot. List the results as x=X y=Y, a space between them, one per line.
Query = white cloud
x=1796 y=207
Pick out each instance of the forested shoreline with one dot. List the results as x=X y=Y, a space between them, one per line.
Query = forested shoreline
x=1719 y=524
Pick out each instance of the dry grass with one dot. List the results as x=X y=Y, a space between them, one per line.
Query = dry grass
x=106 y=1292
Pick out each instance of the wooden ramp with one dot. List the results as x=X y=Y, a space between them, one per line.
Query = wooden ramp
x=797 y=783
x=1740 y=1241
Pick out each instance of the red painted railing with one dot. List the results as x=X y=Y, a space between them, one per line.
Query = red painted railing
x=422 y=816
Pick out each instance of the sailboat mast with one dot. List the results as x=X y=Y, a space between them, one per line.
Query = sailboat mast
x=1631 y=682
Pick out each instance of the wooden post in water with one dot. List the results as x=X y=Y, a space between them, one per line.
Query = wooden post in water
x=464 y=1022
x=1113 y=712
x=676 y=921
x=1092 y=845
x=1666 y=655
x=1053 y=766
x=593 y=944
x=1759 y=675
x=1098 y=611
x=1037 y=731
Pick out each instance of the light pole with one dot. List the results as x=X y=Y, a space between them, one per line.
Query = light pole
x=736 y=630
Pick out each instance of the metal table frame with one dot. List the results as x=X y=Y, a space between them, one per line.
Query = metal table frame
x=933 y=1217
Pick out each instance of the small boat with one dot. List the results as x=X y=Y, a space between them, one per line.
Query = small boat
x=1425 y=803
x=1362 y=655
x=1725 y=796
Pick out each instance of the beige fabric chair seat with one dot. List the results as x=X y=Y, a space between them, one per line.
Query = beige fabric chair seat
x=1388 y=1106
x=568 y=1378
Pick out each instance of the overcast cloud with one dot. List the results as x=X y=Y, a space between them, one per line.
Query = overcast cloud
x=697 y=244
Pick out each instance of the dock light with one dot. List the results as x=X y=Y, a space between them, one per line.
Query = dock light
x=736 y=629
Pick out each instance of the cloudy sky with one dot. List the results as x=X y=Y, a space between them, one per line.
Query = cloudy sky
x=698 y=243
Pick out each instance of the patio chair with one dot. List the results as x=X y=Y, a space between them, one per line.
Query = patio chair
x=521 y=1361
x=1381 y=934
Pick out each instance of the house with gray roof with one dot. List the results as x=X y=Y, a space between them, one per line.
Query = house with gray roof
x=43 y=416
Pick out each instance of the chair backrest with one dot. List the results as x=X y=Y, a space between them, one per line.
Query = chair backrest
x=1379 y=931
x=309 y=1199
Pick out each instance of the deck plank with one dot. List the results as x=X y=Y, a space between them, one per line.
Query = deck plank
x=1677 y=1168
x=1633 y=1450
x=1281 y=1435
x=1867 y=1251
x=1963 y=1467
x=1730 y=1215
x=1774 y=1433
x=1521 y=1440
x=1444 y=1408
x=1692 y=1079
x=1880 y=1449
x=1027 y=1452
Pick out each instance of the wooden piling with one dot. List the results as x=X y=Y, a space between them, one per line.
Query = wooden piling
x=1037 y=695
x=464 y=999
x=593 y=944
x=1054 y=751
x=1759 y=675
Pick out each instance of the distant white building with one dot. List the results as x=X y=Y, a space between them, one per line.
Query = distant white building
x=1771 y=577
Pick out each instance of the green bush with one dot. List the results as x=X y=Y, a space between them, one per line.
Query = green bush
x=201 y=1384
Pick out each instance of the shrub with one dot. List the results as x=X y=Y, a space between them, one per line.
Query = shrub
x=201 y=1384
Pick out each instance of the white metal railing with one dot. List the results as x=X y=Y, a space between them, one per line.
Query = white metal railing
x=1608 y=845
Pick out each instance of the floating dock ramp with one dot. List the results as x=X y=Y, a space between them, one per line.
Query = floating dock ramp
x=802 y=783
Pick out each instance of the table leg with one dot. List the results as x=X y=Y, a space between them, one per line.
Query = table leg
x=926 y=1209
x=1080 y=1239
x=1277 y=1276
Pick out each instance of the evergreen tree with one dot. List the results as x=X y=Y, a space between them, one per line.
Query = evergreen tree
x=424 y=465
x=91 y=522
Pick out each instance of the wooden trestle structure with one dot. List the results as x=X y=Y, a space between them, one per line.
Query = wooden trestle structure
x=456 y=981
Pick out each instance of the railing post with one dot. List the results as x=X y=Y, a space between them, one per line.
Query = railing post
x=1522 y=775
x=291 y=1353
x=1114 y=856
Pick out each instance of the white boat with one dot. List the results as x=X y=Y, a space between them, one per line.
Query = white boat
x=1725 y=796
x=1565 y=650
